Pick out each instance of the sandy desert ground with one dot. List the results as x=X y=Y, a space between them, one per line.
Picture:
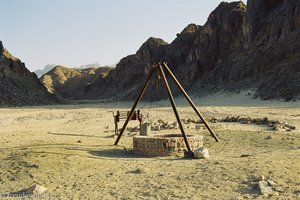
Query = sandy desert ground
x=69 y=150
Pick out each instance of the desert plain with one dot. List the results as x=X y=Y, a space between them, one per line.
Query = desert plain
x=69 y=150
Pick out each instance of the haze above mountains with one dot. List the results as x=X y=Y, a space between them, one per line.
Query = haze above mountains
x=239 y=48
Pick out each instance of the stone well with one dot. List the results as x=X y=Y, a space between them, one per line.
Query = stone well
x=165 y=144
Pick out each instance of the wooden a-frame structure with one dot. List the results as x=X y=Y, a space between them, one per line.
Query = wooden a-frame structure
x=161 y=67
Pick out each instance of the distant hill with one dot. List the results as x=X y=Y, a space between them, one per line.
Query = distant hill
x=41 y=72
x=47 y=68
x=93 y=65
x=18 y=86
x=71 y=83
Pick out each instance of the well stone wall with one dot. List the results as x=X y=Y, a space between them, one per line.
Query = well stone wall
x=164 y=145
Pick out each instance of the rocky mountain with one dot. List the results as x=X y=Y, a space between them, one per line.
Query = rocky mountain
x=18 y=86
x=72 y=83
x=93 y=65
x=49 y=67
x=41 y=72
x=239 y=48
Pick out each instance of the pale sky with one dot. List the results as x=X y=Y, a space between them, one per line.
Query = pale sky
x=79 y=32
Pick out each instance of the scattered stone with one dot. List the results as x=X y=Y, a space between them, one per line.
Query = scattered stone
x=137 y=171
x=155 y=128
x=265 y=188
x=275 y=124
x=35 y=189
x=132 y=129
x=269 y=137
x=213 y=120
x=272 y=183
x=161 y=122
x=290 y=127
x=198 y=127
x=175 y=125
x=277 y=128
x=261 y=178
x=35 y=165
x=190 y=120
x=201 y=153
x=155 y=124
x=245 y=155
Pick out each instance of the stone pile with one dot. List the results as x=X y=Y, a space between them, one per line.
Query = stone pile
x=188 y=123
x=274 y=124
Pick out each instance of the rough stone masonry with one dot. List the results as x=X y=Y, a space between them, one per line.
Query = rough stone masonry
x=164 y=145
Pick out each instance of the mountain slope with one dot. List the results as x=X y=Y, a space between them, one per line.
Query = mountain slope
x=71 y=83
x=41 y=72
x=237 y=49
x=18 y=86
x=240 y=47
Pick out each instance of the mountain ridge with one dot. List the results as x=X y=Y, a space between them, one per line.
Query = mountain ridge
x=71 y=83
x=18 y=86
x=239 y=48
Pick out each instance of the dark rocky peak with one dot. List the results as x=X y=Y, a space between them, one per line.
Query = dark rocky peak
x=225 y=8
x=191 y=28
x=223 y=29
x=227 y=16
x=222 y=35
x=198 y=48
x=186 y=37
x=151 y=47
x=1 y=48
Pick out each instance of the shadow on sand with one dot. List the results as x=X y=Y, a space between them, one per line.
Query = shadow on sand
x=77 y=135
x=114 y=153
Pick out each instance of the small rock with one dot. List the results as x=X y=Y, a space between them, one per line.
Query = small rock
x=198 y=127
x=272 y=183
x=245 y=155
x=161 y=122
x=184 y=121
x=213 y=120
x=35 y=189
x=79 y=141
x=265 y=188
x=290 y=127
x=277 y=128
x=269 y=137
x=155 y=128
x=201 y=153
x=261 y=178
x=190 y=120
x=175 y=125
x=137 y=171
